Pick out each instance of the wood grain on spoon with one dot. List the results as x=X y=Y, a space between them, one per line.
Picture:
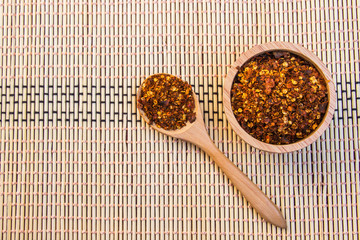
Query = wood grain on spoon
x=196 y=133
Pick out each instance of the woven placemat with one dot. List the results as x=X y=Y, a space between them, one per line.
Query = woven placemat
x=77 y=161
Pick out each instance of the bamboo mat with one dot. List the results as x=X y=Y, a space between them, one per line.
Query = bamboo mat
x=77 y=161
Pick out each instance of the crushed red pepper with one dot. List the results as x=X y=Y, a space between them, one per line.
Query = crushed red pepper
x=167 y=101
x=279 y=98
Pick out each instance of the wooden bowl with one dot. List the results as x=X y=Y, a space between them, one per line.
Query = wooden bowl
x=301 y=52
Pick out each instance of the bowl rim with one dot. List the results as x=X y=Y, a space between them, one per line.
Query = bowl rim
x=301 y=52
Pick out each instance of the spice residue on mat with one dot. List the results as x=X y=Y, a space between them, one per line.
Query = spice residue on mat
x=279 y=97
x=167 y=101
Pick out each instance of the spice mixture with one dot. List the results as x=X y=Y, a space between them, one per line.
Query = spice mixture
x=167 y=101
x=279 y=98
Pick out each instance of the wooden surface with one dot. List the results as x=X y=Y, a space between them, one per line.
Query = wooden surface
x=300 y=51
x=196 y=133
x=78 y=162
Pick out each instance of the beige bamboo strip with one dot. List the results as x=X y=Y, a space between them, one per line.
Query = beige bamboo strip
x=146 y=18
x=326 y=145
x=10 y=200
x=278 y=191
x=356 y=25
x=346 y=187
x=88 y=135
x=69 y=155
x=98 y=123
x=121 y=183
x=110 y=134
x=223 y=136
x=207 y=99
x=6 y=204
x=218 y=109
x=3 y=153
x=81 y=166
x=142 y=19
x=10 y=135
x=89 y=157
x=29 y=157
x=227 y=134
x=40 y=213
x=105 y=134
x=3 y=176
x=284 y=18
x=333 y=133
x=13 y=209
x=74 y=224
x=71 y=144
x=38 y=149
x=119 y=160
x=22 y=188
x=237 y=41
x=204 y=72
x=81 y=224
x=55 y=208
x=40 y=155
x=73 y=211
x=47 y=178
x=306 y=157
x=4 y=208
x=90 y=200
x=352 y=131
x=290 y=20
x=343 y=134
x=114 y=125
x=34 y=146
x=125 y=193
x=271 y=32
x=68 y=198
x=287 y=191
x=63 y=166
x=115 y=109
x=317 y=176
x=291 y=213
x=134 y=72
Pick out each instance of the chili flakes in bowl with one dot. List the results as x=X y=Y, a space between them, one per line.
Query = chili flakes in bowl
x=279 y=98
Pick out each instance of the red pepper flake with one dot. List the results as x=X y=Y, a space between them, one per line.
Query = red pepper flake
x=167 y=101
x=290 y=101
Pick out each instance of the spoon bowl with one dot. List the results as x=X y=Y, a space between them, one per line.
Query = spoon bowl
x=196 y=133
x=178 y=133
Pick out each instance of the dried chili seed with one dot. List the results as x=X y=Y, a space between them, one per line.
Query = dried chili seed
x=167 y=101
x=291 y=96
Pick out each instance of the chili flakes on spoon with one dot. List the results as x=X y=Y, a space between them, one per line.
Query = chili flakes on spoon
x=167 y=101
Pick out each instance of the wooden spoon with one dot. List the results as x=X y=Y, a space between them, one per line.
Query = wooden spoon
x=196 y=133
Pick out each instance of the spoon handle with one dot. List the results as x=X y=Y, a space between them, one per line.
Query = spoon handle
x=198 y=135
x=258 y=200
